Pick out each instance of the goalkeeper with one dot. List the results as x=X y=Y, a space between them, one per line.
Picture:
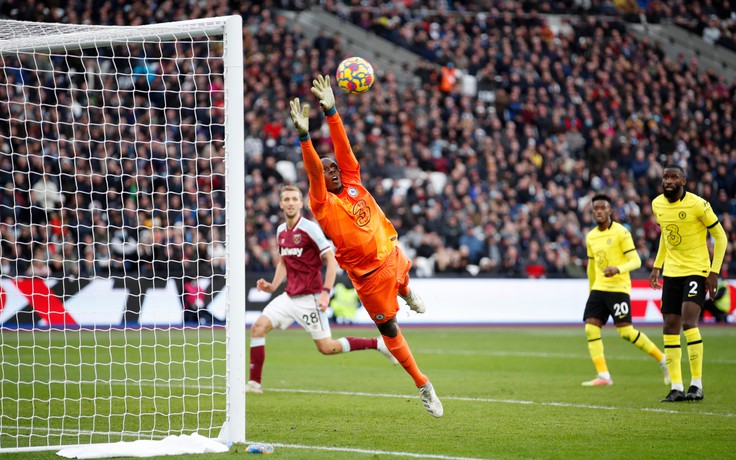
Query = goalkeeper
x=364 y=238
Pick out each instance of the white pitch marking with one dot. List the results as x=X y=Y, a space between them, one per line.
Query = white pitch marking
x=503 y=401
x=532 y=354
x=374 y=452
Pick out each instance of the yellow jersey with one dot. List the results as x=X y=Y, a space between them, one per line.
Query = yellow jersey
x=608 y=248
x=684 y=226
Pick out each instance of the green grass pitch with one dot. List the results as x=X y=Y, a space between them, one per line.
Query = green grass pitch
x=508 y=393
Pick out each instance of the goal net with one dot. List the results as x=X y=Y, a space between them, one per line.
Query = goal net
x=121 y=233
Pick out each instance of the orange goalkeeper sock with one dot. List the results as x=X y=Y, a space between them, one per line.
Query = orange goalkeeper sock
x=401 y=351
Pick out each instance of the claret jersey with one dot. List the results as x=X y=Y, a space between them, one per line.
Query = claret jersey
x=301 y=248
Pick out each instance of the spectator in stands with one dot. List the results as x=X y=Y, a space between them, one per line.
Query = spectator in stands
x=472 y=244
x=193 y=299
x=712 y=31
x=448 y=78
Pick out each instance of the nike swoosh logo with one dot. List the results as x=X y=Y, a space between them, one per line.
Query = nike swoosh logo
x=691 y=295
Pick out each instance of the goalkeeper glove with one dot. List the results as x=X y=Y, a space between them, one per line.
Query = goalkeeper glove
x=300 y=117
x=323 y=90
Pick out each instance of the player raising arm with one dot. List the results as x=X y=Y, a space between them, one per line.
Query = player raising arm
x=684 y=220
x=303 y=248
x=364 y=238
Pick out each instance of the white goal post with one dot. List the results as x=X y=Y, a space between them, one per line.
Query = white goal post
x=122 y=233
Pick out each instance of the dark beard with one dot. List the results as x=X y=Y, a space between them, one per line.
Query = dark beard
x=674 y=194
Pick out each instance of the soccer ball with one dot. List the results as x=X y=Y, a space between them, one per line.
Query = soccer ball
x=354 y=75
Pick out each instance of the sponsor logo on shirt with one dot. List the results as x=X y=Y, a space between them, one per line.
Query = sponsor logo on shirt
x=362 y=213
x=291 y=252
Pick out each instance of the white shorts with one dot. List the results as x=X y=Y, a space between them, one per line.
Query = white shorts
x=284 y=310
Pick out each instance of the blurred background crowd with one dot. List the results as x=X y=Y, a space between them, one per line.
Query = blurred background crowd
x=496 y=182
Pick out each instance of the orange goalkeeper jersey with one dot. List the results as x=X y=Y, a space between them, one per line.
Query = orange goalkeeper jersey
x=362 y=235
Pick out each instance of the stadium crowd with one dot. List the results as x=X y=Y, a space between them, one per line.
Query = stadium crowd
x=714 y=21
x=496 y=183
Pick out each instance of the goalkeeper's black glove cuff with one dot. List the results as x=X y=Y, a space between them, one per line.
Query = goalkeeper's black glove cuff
x=331 y=111
x=303 y=137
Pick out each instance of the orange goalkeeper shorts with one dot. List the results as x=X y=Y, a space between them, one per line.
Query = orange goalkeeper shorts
x=378 y=290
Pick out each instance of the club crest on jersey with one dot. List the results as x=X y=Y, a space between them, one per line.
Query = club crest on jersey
x=297 y=238
x=352 y=191
x=379 y=317
x=682 y=215
x=609 y=241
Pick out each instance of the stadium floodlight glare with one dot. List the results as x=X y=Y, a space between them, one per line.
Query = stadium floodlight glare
x=122 y=231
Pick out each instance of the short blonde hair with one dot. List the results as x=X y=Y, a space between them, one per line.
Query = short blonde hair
x=291 y=188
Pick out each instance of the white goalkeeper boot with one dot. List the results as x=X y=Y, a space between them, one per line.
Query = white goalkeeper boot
x=430 y=400
x=414 y=301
